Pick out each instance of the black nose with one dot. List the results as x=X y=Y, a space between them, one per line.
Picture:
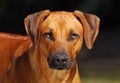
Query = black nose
x=61 y=59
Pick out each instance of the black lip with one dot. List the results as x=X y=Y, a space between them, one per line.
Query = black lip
x=59 y=68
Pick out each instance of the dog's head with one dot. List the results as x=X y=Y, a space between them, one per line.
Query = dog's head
x=59 y=35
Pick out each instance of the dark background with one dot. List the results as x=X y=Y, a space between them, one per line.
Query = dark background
x=103 y=59
x=12 y=12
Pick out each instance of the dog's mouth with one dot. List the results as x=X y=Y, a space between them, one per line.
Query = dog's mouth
x=60 y=65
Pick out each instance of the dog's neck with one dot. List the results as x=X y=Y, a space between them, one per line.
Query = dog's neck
x=44 y=74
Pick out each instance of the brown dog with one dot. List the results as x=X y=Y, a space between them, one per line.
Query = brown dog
x=11 y=46
x=57 y=38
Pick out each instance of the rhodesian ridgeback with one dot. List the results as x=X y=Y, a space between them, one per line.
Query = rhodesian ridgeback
x=48 y=53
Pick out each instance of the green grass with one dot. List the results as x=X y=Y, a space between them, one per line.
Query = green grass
x=100 y=69
x=100 y=78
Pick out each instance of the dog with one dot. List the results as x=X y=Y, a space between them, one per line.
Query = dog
x=48 y=53
x=11 y=45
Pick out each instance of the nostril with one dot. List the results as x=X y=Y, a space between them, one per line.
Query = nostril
x=64 y=60
x=61 y=60
x=57 y=60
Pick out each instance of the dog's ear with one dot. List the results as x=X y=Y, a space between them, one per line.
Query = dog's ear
x=32 y=23
x=90 y=25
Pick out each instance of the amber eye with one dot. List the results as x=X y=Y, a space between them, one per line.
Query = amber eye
x=73 y=36
x=49 y=35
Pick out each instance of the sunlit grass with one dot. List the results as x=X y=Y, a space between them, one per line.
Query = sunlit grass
x=100 y=69
x=100 y=78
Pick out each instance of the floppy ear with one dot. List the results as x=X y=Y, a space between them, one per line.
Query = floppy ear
x=90 y=25
x=32 y=23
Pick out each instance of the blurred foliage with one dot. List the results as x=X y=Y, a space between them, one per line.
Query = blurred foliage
x=13 y=12
x=2 y=6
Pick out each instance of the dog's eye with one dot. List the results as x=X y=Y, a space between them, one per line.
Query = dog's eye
x=49 y=35
x=73 y=36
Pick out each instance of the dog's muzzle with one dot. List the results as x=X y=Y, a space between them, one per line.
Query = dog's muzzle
x=60 y=61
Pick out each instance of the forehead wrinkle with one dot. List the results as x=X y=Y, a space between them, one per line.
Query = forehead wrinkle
x=62 y=23
x=58 y=23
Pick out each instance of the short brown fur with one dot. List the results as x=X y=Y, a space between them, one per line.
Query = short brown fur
x=49 y=33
